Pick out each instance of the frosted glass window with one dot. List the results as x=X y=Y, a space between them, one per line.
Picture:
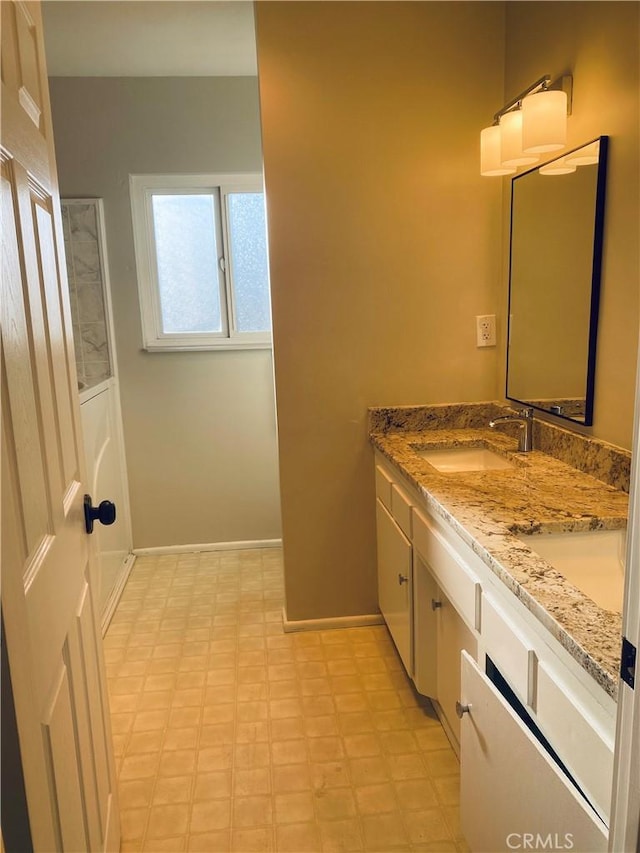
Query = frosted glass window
x=201 y=258
x=248 y=248
x=187 y=262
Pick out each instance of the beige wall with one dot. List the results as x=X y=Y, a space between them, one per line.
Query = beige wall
x=598 y=43
x=199 y=427
x=384 y=245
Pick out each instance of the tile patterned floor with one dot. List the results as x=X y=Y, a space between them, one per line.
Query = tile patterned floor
x=231 y=735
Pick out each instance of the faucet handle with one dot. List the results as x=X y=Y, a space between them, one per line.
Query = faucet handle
x=526 y=412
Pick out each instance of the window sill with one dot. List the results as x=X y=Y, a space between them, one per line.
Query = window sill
x=221 y=347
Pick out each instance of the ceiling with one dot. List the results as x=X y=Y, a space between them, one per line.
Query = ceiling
x=147 y=38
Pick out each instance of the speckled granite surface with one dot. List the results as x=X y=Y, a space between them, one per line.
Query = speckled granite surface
x=541 y=494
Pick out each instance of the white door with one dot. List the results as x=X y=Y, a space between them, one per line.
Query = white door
x=106 y=478
x=53 y=646
x=100 y=414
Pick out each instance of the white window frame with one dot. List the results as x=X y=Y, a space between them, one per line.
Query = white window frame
x=142 y=188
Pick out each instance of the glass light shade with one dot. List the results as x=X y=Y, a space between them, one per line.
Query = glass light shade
x=490 y=153
x=544 y=121
x=511 y=141
x=588 y=155
x=557 y=167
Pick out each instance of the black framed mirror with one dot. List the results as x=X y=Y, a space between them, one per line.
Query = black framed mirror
x=557 y=223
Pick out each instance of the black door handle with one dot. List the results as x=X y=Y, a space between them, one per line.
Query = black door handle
x=105 y=513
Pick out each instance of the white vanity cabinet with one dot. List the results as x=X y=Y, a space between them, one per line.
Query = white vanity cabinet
x=464 y=634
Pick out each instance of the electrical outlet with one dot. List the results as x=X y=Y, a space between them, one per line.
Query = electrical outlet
x=486 y=330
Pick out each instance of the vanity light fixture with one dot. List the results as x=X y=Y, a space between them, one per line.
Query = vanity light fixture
x=534 y=122
x=588 y=155
x=561 y=166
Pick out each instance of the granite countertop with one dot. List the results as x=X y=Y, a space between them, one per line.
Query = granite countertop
x=486 y=509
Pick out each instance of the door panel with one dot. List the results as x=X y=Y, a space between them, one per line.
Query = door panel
x=52 y=636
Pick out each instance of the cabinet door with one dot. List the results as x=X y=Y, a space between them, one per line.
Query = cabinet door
x=509 y=786
x=395 y=583
x=453 y=636
x=425 y=591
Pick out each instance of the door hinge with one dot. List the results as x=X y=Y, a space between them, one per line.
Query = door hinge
x=628 y=663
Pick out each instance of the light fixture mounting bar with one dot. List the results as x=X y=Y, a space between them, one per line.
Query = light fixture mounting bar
x=565 y=82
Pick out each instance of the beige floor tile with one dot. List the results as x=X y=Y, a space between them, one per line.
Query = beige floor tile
x=139 y=766
x=233 y=736
x=177 y=789
x=136 y=794
x=250 y=841
x=252 y=782
x=398 y=742
x=133 y=823
x=361 y=745
x=284 y=708
x=376 y=799
x=289 y=751
x=212 y=786
x=252 y=811
x=295 y=777
x=341 y=835
x=332 y=774
x=335 y=804
x=214 y=758
x=432 y=738
x=447 y=790
x=251 y=755
x=427 y=825
x=366 y=771
x=442 y=762
x=384 y=832
x=321 y=726
x=140 y=742
x=146 y=721
x=410 y=766
x=210 y=815
x=295 y=807
x=186 y=738
x=217 y=734
x=298 y=838
x=168 y=821
x=178 y=762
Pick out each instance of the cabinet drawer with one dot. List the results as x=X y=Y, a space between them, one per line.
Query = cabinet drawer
x=584 y=743
x=401 y=509
x=383 y=487
x=509 y=649
x=459 y=584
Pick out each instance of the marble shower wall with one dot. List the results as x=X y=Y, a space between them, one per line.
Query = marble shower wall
x=80 y=220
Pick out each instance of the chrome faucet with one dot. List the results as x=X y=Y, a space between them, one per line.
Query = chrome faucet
x=524 y=418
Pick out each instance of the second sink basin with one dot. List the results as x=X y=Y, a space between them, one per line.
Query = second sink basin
x=452 y=459
x=593 y=561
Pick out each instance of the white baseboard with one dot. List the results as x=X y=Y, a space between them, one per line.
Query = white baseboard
x=330 y=623
x=116 y=592
x=208 y=546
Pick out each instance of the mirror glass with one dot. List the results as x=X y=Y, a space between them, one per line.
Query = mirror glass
x=557 y=216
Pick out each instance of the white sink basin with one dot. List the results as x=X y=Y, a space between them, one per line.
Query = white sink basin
x=593 y=561
x=452 y=459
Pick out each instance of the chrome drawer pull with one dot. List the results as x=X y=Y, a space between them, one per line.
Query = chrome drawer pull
x=402 y=578
x=435 y=604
